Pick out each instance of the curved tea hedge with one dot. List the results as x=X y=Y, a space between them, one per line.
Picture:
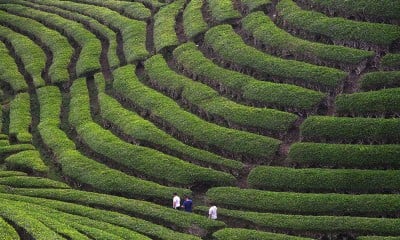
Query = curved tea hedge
x=345 y=155
x=284 y=114
x=127 y=84
x=230 y=47
x=305 y=203
x=324 y=180
x=350 y=130
x=281 y=96
x=337 y=29
x=263 y=29
x=207 y=100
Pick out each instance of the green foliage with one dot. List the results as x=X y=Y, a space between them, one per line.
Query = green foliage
x=313 y=224
x=146 y=131
x=377 y=238
x=135 y=10
x=282 y=96
x=127 y=85
x=324 y=180
x=7 y=232
x=241 y=234
x=154 y=212
x=154 y=164
x=381 y=103
x=305 y=203
x=193 y=22
x=350 y=130
x=109 y=221
x=133 y=32
x=230 y=47
x=254 y=5
x=264 y=30
x=337 y=29
x=345 y=155
x=379 y=80
x=31 y=182
x=20 y=118
x=88 y=60
x=207 y=100
x=61 y=222
x=31 y=55
x=386 y=9
x=164 y=35
x=28 y=161
x=9 y=71
x=105 y=32
x=11 y=149
x=105 y=179
x=82 y=169
x=222 y=10
x=391 y=60
x=58 y=44
x=11 y=173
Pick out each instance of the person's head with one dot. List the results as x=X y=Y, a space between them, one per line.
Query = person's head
x=175 y=194
x=186 y=197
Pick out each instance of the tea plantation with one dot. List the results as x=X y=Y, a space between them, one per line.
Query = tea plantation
x=285 y=114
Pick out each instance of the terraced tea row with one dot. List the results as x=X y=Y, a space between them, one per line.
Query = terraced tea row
x=283 y=114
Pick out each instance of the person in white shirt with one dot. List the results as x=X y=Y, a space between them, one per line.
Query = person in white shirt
x=212 y=212
x=176 y=201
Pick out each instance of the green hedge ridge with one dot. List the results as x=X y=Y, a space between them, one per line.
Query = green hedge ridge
x=82 y=169
x=31 y=55
x=7 y=231
x=15 y=148
x=305 y=203
x=230 y=46
x=143 y=130
x=313 y=225
x=147 y=161
x=27 y=161
x=350 y=130
x=60 y=222
x=222 y=10
x=337 y=29
x=11 y=173
x=9 y=71
x=20 y=118
x=193 y=22
x=124 y=223
x=371 y=9
x=324 y=180
x=391 y=60
x=88 y=60
x=282 y=96
x=127 y=85
x=133 y=32
x=345 y=155
x=264 y=30
x=253 y=5
x=135 y=10
x=377 y=238
x=19 y=217
x=379 y=103
x=164 y=34
x=247 y=234
x=205 y=99
x=57 y=44
x=147 y=210
x=98 y=28
x=379 y=80
x=31 y=182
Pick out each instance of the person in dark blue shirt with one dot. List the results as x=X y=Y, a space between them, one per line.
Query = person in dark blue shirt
x=187 y=204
